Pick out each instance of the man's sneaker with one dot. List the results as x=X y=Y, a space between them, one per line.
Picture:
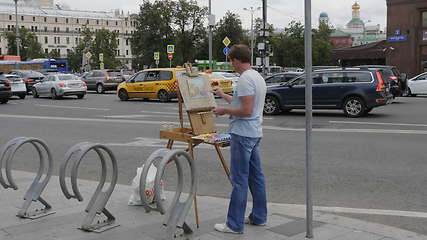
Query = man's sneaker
x=222 y=227
x=248 y=221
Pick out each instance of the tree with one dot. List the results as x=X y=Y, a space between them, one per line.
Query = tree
x=29 y=47
x=322 y=46
x=153 y=32
x=229 y=26
x=105 y=42
x=190 y=32
x=289 y=46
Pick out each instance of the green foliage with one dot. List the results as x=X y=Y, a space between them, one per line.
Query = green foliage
x=29 y=47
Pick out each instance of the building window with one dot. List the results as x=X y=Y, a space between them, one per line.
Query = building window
x=45 y=29
x=87 y=21
x=66 y=20
x=424 y=16
x=77 y=20
x=59 y=51
x=45 y=19
x=54 y=29
x=127 y=42
x=107 y=23
x=117 y=23
x=8 y=27
x=45 y=40
x=22 y=18
x=32 y=28
x=67 y=30
x=127 y=52
x=10 y=17
x=97 y=22
x=46 y=50
x=68 y=40
x=118 y=42
x=35 y=29
x=59 y=40
x=77 y=41
x=126 y=24
x=34 y=19
x=56 y=19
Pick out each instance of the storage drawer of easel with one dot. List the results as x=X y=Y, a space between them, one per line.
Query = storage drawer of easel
x=202 y=122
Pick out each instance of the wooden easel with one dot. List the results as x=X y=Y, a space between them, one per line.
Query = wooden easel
x=201 y=122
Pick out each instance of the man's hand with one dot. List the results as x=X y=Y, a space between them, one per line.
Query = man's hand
x=218 y=92
x=220 y=111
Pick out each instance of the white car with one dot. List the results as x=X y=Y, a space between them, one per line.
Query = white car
x=417 y=85
x=17 y=85
x=233 y=76
x=59 y=85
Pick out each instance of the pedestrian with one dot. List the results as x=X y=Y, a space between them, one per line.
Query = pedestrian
x=246 y=108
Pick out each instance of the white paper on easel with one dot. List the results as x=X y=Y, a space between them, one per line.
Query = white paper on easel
x=196 y=92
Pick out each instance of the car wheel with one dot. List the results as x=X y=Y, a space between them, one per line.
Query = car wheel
x=35 y=94
x=123 y=95
x=163 y=96
x=53 y=94
x=4 y=100
x=354 y=107
x=271 y=105
x=22 y=96
x=410 y=93
x=80 y=96
x=368 y=110
x=100 y=88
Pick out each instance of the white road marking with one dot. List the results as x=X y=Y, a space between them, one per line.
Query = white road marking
x=167 y=113
x=379 y=123
x=140 y=116
x=273 y=128
x=154 y=142
x=69 y=107
x=359 y=210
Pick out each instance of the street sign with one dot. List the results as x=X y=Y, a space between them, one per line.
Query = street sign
x=171 y=49
x=88 y=54
x=101 y=57
x=170 y=56
x=400 y=38
x=101 y=65
x=226 y=41
x=225 y=50
x=157 y=62
x=156 y=56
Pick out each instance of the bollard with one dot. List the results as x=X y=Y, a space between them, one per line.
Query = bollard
x=176 y=214
x=97 y=203
x=36 y=188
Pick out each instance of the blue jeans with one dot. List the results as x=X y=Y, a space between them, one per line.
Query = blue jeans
x=246 y=172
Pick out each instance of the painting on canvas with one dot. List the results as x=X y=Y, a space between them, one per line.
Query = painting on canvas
x=196 y=92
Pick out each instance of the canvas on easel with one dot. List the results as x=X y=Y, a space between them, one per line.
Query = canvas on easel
x=196 y=93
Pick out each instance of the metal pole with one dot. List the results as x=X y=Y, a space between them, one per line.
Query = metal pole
x=16 y=31
x=264 y=18
x=252 y=36
x=210 y=36
x=308 y=117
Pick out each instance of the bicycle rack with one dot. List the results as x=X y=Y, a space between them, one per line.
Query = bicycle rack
x=36 y=188
x=177 y=212
x=97 y=203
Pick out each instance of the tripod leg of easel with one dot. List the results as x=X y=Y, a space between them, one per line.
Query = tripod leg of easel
x=170 y=143
x=224 y=164
x=196 y=210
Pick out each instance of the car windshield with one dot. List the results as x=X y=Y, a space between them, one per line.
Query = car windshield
x=127 y=72
x=114 y=73
x=67 y=77
x=14 y=78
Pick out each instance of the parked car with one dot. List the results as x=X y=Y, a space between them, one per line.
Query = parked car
x=398 y=81
x=417 y=85
x=17 y=85
x=102 y=80
x=233 y=76
x=354 y=90
x=126 y=74
x=281 y=78
x=57 y=86
x=5 y=90
x=219 y=81
x=30 y=77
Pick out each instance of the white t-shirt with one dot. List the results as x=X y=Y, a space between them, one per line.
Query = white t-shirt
x=250 y=83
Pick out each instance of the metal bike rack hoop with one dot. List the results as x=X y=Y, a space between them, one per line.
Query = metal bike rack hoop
x=99 y=199
x=36 y=188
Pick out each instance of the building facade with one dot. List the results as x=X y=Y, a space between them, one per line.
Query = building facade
x=407 y=35
x=59 y=28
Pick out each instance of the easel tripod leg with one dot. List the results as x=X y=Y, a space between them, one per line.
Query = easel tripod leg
x=224 y=164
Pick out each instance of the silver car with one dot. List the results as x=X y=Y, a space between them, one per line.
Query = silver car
x=17 y=84
x=59 y=85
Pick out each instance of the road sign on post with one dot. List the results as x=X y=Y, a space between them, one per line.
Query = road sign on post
x=88 y=54
x=170 y=57
x=101 y=61
x=225 y=51
x=226 y=41
x=156 y=55
x=171 y=49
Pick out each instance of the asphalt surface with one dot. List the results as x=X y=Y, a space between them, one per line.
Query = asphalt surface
x=361 y=165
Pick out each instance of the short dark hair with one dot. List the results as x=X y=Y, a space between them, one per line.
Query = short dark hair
x=240 y=52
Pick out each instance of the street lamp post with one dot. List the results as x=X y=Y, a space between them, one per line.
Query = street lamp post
x=16 y=28
x=252 y=10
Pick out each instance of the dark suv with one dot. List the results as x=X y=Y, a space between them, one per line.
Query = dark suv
x=354 y=90
x=30 y=77
x=398 y=81
x=103 y=80
x=5 y=90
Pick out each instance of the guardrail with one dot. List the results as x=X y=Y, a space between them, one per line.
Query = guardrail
x=178 y=211
x=38 y=185
x=97 y=203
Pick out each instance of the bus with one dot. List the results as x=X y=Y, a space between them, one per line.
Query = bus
x=60 y=65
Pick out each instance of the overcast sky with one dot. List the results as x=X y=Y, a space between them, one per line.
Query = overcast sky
x=279 y=13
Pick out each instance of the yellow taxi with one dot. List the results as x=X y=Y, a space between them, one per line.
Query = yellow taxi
x=157 y=83
x=160 y=83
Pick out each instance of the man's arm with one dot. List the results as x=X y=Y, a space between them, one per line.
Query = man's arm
x=223 y=95
x=245 y=110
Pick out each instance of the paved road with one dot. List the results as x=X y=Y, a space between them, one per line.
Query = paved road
x=372 y=168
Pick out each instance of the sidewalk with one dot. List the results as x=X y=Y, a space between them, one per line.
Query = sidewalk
x=284 y=222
